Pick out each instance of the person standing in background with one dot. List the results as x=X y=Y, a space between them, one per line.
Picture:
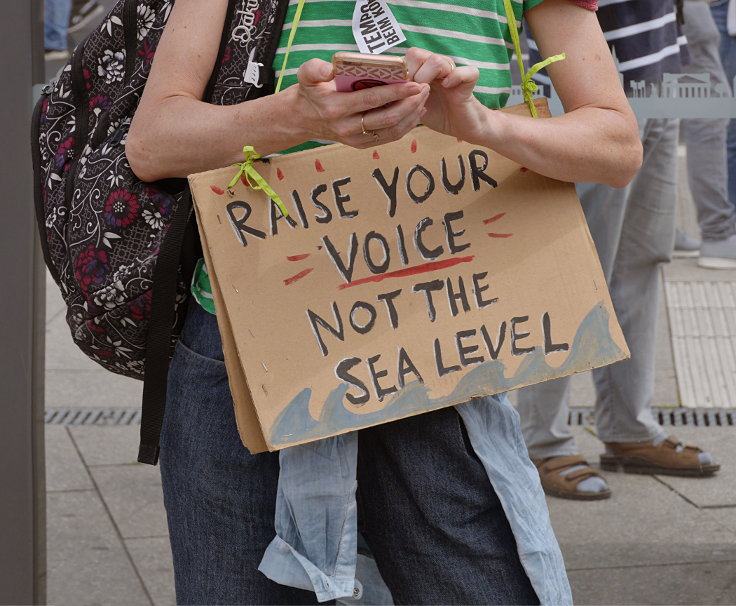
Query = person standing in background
x=633 y=229
x=705 y=140
x=724 y=15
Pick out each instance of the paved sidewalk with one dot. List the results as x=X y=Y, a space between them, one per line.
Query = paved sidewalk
x=658 y=540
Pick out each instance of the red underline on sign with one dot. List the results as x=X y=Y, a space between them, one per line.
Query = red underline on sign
x=494 y=218
x=492 y=235
x=410 y=271
x=298 y=276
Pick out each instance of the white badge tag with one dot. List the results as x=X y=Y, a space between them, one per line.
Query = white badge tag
x=374 y=27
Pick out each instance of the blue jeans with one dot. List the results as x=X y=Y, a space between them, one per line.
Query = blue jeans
x=55 y=23
x=426 y=509
x=727 y=50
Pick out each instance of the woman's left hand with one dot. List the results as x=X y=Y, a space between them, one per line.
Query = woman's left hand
x=452 y=108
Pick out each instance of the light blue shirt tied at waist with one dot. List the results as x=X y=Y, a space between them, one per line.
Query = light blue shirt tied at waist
x=315 y=547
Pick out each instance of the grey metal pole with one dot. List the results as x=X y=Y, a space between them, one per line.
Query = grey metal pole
x=22 y=319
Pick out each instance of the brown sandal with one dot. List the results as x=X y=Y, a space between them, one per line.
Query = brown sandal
x=565 y=485
x=668 y=457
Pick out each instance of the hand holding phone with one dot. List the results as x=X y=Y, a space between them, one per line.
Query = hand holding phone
x=358 y=71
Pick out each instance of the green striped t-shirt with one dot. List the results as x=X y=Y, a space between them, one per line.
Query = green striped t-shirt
x=472 y=32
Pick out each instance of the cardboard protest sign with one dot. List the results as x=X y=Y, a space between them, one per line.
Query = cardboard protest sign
x=406 y=278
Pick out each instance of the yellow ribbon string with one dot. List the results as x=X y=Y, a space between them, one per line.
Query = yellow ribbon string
x=292 y=33
x=528 y=86
x=254 y=179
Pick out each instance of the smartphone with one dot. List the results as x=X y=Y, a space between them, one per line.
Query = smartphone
x=357 y=71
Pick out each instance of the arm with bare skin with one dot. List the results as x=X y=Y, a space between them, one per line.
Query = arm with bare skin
x=596 y=140
x=174 y=133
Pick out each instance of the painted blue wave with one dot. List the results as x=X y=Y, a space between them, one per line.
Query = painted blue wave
x=592 y=347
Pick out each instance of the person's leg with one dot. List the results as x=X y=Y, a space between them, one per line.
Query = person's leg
x=705 y=138
x=625 y=389
x=634 y=441
x=220 y=500
x=727 y=48
x=56 y=21
x=431 y=517
x=544 y=408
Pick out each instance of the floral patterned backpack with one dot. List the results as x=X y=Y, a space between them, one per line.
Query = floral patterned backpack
x=123 y=251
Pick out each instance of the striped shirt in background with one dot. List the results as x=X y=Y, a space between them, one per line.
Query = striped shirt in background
x=644 y=36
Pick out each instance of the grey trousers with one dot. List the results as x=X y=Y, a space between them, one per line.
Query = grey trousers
x=633 y=229
x=705 y=138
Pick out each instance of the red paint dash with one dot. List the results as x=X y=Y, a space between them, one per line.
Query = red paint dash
x=280 y=174
x=493 y=218
x=217 y=190
x=523 y=169
x=413 y=146
x=492 y=235
x=298 y=276
x=411 y=271
x=244 y=180
x=376 y=156
x=297 y=257
x=318 y=166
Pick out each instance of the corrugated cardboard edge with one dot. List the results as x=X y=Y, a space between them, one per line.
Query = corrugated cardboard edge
x=246 y=416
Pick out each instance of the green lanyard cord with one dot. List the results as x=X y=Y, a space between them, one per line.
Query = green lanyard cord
x=528 y=86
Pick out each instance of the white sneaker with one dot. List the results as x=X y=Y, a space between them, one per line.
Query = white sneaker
x=720 y=254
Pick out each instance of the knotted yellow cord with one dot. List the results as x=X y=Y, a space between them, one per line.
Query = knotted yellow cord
x=528 y=86
x=254 y=179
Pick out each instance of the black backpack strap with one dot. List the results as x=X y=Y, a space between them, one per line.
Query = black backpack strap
x=158 y=344
x=179 y=251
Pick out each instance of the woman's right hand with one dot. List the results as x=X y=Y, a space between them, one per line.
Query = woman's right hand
x=389 y=111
